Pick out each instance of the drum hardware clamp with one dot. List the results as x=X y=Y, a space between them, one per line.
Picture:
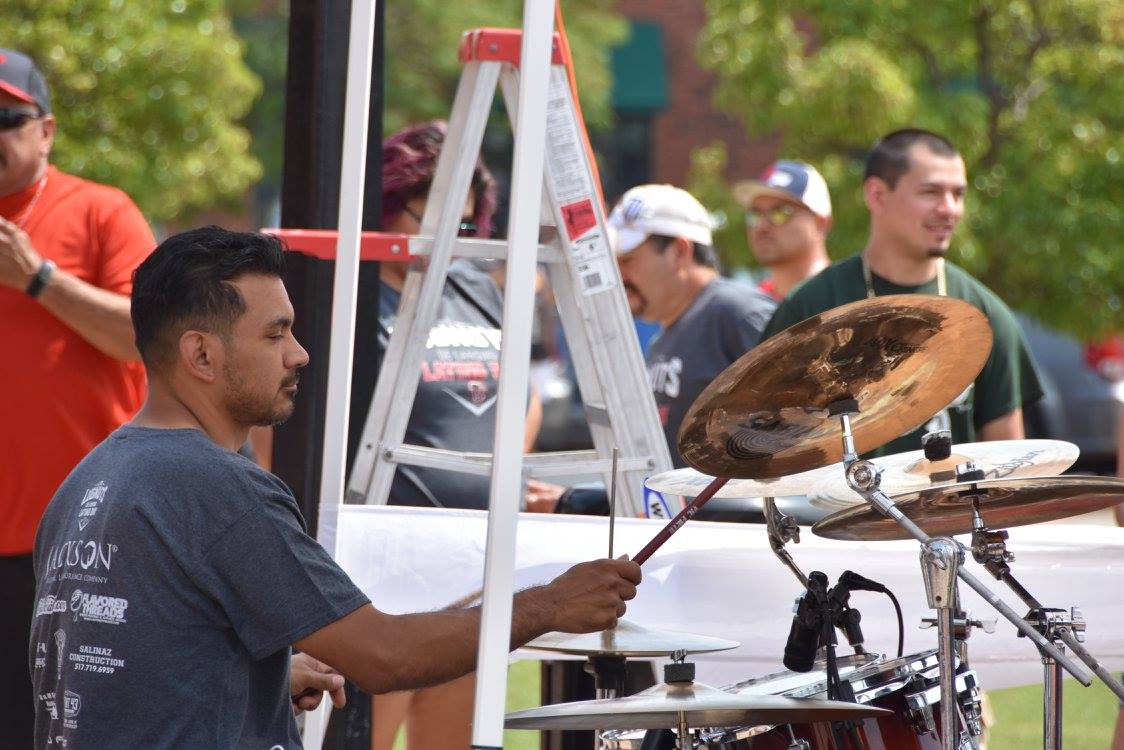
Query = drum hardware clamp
x=940 y=556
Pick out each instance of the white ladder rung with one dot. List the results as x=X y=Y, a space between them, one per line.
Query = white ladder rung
x=473 y=247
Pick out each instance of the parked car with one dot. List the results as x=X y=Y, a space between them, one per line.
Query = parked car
x=1083 y=392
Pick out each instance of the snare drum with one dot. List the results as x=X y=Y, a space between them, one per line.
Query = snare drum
x=908 y=686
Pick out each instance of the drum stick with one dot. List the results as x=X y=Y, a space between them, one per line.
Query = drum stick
x=613 y=502
x=684 y=516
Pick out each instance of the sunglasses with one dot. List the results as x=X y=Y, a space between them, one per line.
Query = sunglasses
x=778 y=216
x=466 y=228
x=12 y=118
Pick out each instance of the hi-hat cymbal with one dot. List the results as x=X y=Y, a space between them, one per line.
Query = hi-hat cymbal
x=660 y=707
x=1003 y=503
x=826 y=488
x=902 y=358
x=631 y=640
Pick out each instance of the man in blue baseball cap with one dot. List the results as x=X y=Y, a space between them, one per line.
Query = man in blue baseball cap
x=788 y=215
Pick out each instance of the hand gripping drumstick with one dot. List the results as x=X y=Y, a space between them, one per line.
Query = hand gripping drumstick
x=684 y=516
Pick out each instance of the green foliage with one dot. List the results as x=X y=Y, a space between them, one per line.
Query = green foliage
x=707 y=183
x=265 y=32
x=1029 y=90
x=421 y=52
x=147 y=96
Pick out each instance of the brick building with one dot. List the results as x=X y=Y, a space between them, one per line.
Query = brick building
x=662 y=98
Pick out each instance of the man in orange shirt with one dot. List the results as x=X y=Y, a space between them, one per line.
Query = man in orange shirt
x=70 y=371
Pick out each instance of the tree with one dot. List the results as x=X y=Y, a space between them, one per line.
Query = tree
x=1029 y=90
x=421 y=52
x=147 y=95
x=421 y=60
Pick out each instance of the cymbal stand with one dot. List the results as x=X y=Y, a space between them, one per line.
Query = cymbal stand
x=864 y=478
x=681 y=672
x=608 y=681
x=608 y=675
x=1059 y=626
x=783 y=529
x=940 y=560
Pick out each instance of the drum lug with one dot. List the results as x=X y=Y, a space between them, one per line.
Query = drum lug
x=923 y=721
x=797 y=744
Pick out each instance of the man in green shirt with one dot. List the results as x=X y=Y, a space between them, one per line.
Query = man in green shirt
x=914 y=186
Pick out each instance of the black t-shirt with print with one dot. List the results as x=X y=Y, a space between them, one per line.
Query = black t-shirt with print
x=454 y=408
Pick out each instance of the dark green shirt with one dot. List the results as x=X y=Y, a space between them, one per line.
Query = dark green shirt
x=1007 y=382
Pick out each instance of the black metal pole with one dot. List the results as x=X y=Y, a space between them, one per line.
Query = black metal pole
x=314 y=107
x=318 y=36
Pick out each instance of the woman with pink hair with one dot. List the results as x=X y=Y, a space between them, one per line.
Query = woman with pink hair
x=453 y=409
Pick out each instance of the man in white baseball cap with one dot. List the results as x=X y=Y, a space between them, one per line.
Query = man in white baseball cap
x=664 y=246
x=788 y=215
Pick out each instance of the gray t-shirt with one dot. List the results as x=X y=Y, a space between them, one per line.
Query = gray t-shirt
x=723 y=323
x=172 y=577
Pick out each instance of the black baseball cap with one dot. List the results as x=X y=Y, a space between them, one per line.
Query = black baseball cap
x=21 y=77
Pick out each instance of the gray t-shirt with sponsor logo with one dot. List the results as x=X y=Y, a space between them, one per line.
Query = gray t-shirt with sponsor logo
x=723 y=323
x=172 y=577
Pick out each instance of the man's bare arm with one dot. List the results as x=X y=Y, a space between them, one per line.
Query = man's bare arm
x=99 y=316
x=1007 y=427
x=383 y=653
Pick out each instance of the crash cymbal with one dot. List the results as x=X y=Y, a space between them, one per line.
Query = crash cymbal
x=631 y=640
x=660 y=707
x=1003 y=503
x=902 y=358
x=912 y=472
x=826 y=488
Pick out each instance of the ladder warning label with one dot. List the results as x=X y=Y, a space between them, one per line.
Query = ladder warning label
x=579 y=218
x=571 y=186
x=565 y=160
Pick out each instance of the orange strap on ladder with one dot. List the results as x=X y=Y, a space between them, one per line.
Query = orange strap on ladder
x=569 y=58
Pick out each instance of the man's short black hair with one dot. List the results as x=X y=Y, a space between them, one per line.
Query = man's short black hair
x=704 y=255
x=185 y=285
x=889 y=159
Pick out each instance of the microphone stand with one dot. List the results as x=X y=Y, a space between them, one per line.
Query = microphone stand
x=783 y=529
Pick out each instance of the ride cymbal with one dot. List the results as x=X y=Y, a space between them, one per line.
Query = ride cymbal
x=630 y=640
x=947 y=510
x=900 y=358
x=660 y=707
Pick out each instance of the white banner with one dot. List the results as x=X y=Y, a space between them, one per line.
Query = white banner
x=722 y=580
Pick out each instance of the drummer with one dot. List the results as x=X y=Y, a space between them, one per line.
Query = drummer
x=914 y=186
x=175 y=575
